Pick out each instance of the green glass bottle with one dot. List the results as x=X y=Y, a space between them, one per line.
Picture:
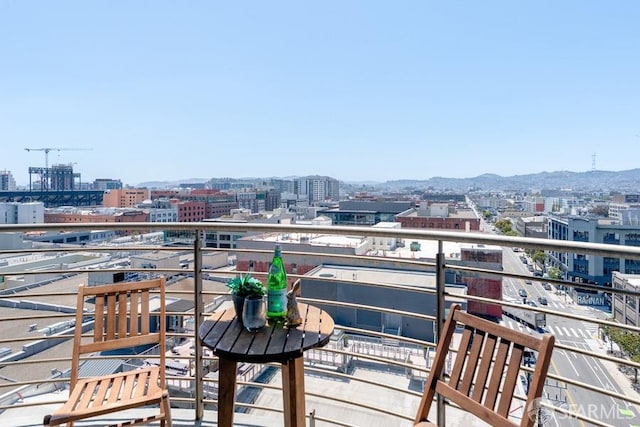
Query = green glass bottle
x=277 y=287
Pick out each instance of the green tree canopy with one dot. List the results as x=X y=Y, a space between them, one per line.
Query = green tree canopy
x=629 y=342
x=539 y=257
x=504 y=225
x=555 y=273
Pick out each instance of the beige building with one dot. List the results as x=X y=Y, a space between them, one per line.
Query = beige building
x=125 y=198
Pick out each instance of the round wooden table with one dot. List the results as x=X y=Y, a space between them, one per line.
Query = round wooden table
x=232 y=343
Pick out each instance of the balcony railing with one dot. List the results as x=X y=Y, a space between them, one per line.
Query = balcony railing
x=371 y=372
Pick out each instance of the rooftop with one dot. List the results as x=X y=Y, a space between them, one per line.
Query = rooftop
x=311 y=239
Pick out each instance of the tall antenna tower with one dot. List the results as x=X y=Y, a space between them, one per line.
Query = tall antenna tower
x=593 y=162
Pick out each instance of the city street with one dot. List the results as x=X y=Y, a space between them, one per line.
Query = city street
x=582 y=368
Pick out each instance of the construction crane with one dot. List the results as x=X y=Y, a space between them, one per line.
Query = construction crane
x=46 y=152
x=45 y=172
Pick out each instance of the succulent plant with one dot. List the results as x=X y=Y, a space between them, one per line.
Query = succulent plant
x=246 y=286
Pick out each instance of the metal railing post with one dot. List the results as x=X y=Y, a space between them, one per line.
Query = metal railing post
x=440 y=315
x=199 y=311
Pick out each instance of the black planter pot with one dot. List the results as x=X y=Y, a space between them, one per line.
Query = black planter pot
x=238 y=304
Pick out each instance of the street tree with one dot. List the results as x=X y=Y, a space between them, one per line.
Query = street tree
x=629 y=343
x=554 y=273
x=539 y=257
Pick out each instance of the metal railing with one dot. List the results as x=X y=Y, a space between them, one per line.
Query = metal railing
x=355 y=345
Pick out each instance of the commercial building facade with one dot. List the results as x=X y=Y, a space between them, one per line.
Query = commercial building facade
x=593 y=269
x=125 y=198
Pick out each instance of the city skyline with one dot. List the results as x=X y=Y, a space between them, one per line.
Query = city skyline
x=359 y=91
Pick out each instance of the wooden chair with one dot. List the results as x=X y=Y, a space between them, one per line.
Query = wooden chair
x=124 y=318
x=486 y=369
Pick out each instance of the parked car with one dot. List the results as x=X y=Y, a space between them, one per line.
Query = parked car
x=532 y=303
x=529 y=358
x=528 y=282
x=523 y=293
x=537 y=273
x=542 y=300
x=546 y=286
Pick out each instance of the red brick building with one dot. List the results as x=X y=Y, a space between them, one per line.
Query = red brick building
x=189 y=211
x=448 y=224
x=440 y=216
x=216 y=202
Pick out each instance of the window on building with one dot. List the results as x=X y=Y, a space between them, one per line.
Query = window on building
x=610 y=265
x=632 y=266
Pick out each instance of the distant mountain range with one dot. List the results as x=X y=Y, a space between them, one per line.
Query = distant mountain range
x=590 y=181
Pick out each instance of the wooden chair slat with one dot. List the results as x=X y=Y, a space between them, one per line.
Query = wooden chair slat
x=101 y=393
x=129 y=385
x=122 y=315
x=471 y=362
x=497 y=374
x=144 y=312
x=115 y=389
x=484 y=368
x=510 y=380
x=110 y=323
x=141 y=378
x=86 y=394
x=134 y=326
x=461 y=356
x=99 y=319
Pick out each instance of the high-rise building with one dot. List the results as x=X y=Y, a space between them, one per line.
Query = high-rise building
x=62 y=177
x=317 y=188
x=7 y=183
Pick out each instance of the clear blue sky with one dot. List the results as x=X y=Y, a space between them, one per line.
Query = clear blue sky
x=357 y=90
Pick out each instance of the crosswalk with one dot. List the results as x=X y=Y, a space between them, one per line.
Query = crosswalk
x=555 y=304
x=510 y=323
x=587 y=331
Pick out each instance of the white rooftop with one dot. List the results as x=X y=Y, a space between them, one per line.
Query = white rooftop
x=315 y=239
x=428 y=249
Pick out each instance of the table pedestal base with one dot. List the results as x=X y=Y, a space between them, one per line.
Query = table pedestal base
x=292 y=392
